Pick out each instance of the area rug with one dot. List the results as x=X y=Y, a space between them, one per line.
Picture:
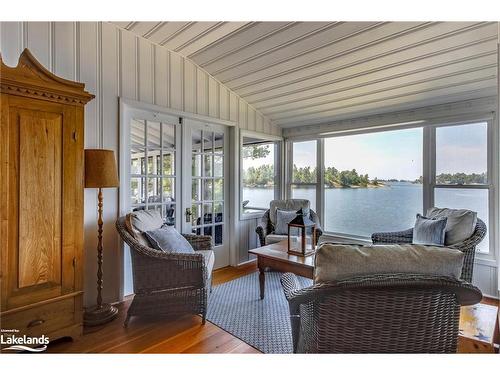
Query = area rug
x=235 y=307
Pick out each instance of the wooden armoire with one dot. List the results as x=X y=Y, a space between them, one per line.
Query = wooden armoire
x=41 y=193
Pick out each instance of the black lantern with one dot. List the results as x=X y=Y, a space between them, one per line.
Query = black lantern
x=299 y=242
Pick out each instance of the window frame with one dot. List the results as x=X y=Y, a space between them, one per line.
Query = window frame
x=429 y=167
x=278 y=168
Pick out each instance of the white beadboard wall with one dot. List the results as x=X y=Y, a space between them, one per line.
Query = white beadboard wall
x=113 y=63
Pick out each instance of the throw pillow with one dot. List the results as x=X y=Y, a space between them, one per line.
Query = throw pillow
x=282 y=219
x=429 y=231
x=167 y=239
x=460 y=225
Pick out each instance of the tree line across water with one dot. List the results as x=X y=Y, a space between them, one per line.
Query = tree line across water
x=263 y=176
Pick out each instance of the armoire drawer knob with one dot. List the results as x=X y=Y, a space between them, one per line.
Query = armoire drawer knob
x=35 y=323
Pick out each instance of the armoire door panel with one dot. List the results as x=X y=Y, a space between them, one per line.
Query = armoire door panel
x=40 y=205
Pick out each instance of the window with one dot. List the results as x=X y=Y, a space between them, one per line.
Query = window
x=372 y=182
x=461 y=177
x=304 y=172
x=152 y=167
x=378 y=181
x=259 y=173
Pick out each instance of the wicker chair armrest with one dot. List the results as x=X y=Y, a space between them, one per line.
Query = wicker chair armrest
x=290 y=284
x=263 y=228
x=405 y=236
x=199 y=242
x=467 y=294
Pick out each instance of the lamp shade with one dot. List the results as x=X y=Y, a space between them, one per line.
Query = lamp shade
x=100 y=169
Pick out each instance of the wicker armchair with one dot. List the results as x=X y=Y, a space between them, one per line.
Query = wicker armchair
x=468 y=247
x=265 y=227
x=391 y=313
x=167 y=283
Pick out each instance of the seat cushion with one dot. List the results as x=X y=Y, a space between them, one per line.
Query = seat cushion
x=167 y=239
x=429 y=231
x=138 y=222
x=460 y=225
x=336 y=261
x=274 y=238
x=286 y=205
x=209 y=259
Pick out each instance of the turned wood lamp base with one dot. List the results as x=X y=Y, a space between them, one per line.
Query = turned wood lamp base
x=96 y=315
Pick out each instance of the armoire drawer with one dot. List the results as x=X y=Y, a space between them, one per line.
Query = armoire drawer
x=43 y=319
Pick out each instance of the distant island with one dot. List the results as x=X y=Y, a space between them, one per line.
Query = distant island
x=263 y=176
x=457 y=179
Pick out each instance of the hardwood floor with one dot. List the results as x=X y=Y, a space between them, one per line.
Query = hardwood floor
x=160 y=335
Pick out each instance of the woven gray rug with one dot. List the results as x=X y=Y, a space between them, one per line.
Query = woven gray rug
x=235 y=307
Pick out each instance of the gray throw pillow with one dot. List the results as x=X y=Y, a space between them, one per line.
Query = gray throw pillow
x=460 y=225
x=429 y=231
x=282 y=219
x=167 y=239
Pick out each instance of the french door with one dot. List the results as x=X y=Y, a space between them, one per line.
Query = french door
x=204 y=184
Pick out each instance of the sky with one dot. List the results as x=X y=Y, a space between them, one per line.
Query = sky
x=398 y=153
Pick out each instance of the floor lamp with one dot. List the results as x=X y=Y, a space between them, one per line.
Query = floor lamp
x=100 y=172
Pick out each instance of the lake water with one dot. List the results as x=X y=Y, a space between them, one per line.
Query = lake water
x=362 y=211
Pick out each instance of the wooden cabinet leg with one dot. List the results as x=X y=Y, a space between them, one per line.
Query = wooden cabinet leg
x=262 y=282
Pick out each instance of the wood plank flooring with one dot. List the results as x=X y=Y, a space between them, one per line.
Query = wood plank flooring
x=161 y=335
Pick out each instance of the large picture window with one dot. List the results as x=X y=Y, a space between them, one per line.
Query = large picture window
x=259 y=173
x=378 y=181
x=304 y=172
x=462 y=176
x=372 y=181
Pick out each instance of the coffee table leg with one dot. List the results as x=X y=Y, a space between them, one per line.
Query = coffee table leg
x=262 y=282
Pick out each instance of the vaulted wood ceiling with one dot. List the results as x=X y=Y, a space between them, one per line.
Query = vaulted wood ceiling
x=306 y=73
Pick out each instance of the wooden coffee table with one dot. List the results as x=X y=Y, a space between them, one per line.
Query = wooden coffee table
x=275 y=257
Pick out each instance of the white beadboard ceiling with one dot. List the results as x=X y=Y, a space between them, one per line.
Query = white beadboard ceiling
x=308 y=73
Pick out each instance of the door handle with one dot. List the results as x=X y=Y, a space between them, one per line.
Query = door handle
x=188 y=215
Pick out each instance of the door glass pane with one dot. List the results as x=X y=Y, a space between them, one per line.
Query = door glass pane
x=137 y=133
x=218 y=212
x=207 y=190
x=219 y=143
x=151 y=165
x=218 y=234
x=169 y=213
x=168 y=134
x=371 y=181
x=196 y=165
x=196 y=214
x=168 y=163
x=207 y=165
x=208 y=141
x=136 y=190
x=219 y=189
x=196 y=189
x=153 y=129
x=135 y=163
x=461 y=154
x=207 y=213
x=207 y=231
x=196 y=141
x=168 y=186
x=471 y=199
x=218 y=166
x=154 y=190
